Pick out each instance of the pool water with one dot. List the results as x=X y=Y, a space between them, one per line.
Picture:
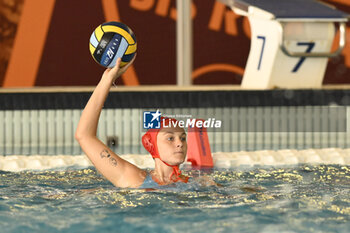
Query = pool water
x=303 y=198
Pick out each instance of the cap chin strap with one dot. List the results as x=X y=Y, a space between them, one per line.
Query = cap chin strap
x=176 y=172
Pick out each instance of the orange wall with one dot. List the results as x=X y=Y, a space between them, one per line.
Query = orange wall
x=51 y=44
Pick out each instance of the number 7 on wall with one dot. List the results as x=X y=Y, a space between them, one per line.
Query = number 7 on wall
x=310 y=46
x=263 y=38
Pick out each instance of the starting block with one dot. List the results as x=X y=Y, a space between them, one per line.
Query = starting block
x=291 y=41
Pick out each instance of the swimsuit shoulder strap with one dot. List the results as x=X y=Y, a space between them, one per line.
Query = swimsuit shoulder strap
x=149 y=182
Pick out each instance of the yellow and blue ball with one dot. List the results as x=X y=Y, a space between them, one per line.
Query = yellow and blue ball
x=110 y=41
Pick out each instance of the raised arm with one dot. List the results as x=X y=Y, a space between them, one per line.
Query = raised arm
x=120 y=172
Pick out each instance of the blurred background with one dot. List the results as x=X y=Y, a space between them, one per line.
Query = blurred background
x=53 y=51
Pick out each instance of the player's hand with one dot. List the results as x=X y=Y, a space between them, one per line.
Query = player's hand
x=115 y=72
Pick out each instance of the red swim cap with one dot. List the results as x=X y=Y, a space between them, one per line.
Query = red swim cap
x=149 y=141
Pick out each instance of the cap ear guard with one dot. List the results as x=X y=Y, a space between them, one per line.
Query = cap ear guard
x=147 y=143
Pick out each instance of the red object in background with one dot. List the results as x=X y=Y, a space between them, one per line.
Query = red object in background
x=198 y=147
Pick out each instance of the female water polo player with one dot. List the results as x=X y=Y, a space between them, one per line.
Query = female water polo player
x=167 y=146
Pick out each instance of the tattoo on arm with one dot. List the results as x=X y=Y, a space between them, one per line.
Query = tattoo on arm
x=113 y=161
x=106 y=154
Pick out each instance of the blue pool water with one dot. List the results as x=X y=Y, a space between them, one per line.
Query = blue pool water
x=301 y=198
